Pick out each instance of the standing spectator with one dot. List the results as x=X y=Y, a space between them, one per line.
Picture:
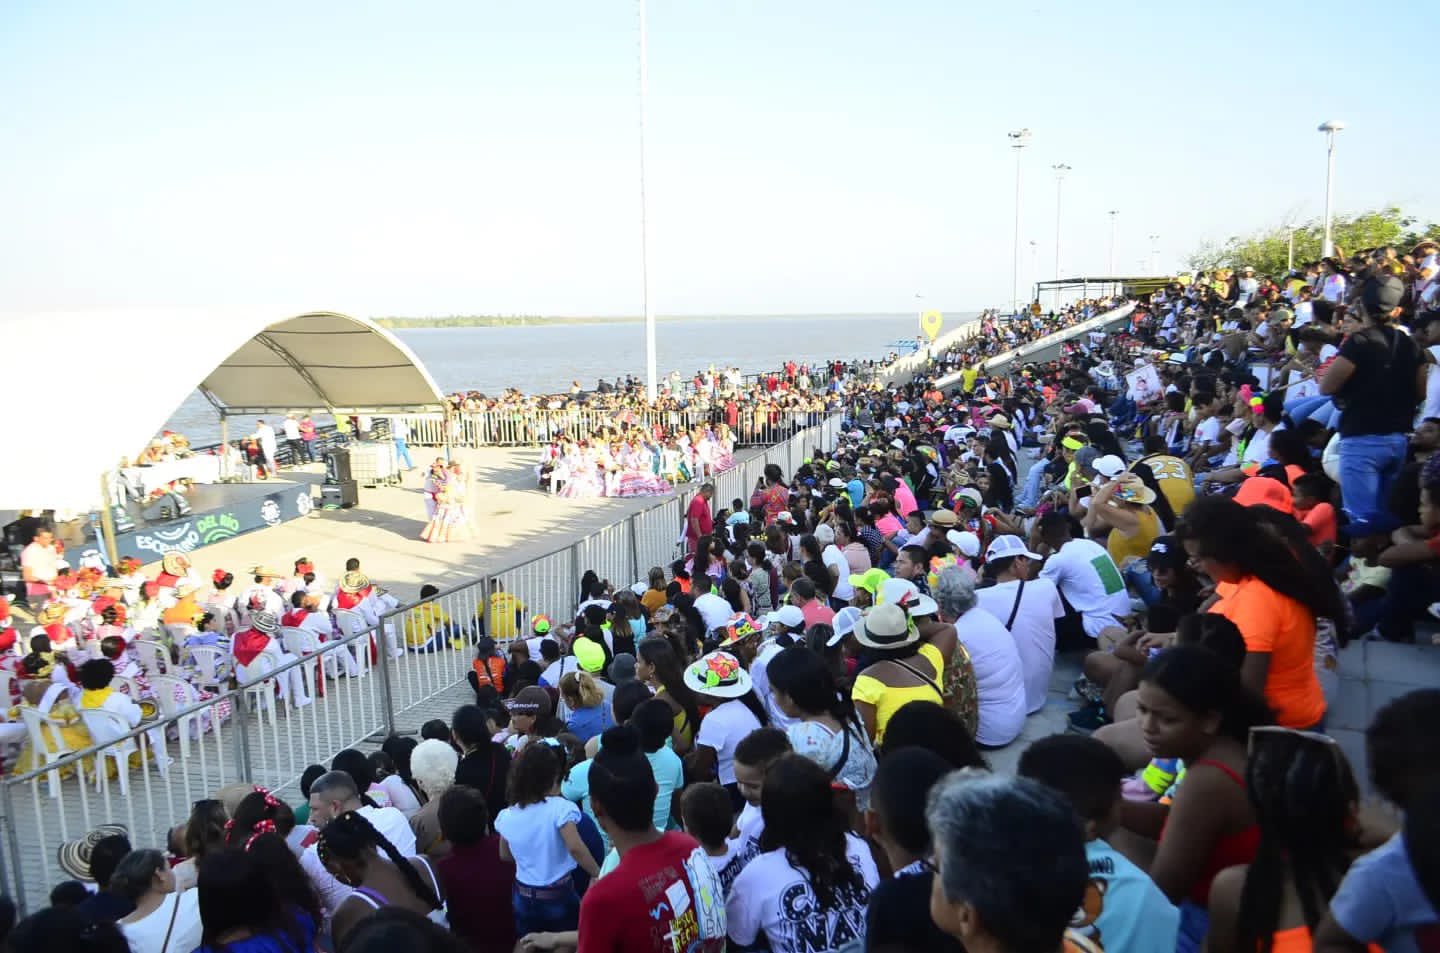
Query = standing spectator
x=699 y=521
x=478 y=884
x=539 y=833
x=400 y=433
x=1379 y=377
x=291 y=428
x=39 y=565
x=264 y=436
x=308 y=436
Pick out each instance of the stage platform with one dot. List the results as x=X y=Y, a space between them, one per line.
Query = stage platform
x=219 y=511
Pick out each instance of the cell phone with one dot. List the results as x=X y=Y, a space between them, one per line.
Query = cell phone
x=1083 y=492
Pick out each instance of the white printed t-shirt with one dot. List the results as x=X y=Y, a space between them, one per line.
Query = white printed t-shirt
x=774 y=898
x=1091 y=582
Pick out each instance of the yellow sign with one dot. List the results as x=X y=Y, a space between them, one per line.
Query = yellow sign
x=931 y=322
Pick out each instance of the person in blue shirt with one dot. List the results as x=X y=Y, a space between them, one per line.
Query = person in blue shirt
x=1123 y=910
x=1383 y=899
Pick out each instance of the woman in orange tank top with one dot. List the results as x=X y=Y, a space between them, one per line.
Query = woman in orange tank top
x=1305 y=800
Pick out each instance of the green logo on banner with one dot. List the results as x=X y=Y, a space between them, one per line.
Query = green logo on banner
x=217 y=526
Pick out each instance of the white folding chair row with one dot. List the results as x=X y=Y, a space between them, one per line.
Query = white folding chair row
x=50 y=749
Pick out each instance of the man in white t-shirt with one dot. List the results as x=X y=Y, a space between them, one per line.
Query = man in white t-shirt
x=1028 y=608
x=334 y=794
x=1086 y=576
x=836 y=562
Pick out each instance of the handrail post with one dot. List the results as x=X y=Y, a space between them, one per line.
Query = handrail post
x=12 y=843
x=387 y=693
x=242 y=736
x=634 y=547
x=575 y=571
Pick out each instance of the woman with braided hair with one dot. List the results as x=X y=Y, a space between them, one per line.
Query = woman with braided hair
x=351 y=848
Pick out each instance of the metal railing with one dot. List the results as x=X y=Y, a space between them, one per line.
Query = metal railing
x=360 y=691
x=534 y=427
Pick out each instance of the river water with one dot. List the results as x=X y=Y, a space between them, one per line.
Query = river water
x=546 y=358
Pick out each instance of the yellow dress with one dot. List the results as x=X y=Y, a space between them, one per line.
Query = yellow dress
x=72 y=731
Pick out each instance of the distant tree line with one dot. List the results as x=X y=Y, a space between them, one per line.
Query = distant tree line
x=1267 y=250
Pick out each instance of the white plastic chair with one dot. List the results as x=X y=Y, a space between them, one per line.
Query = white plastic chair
x=302 y=643
x=167 y=688
x=154 y=657
x=351 y=623
x=106 y=724
x=256 y=682
x=212 y=669
x=51 y=750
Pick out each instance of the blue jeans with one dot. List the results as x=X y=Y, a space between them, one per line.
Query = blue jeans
x=1137 y=574
x=1320 y=408
x=403 y=451
x=1030 y=496
x=1369 y=464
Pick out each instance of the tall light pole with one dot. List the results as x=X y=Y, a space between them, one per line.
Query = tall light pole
x=1329 y=127
x=1019 y=139
x=1060 y=170
x=1112 y=213
x=1034 y=268
x=651 y=383
x=1154 y=255
x=1290 y=249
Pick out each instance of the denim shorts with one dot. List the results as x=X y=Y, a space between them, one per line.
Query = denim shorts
x=553 y=909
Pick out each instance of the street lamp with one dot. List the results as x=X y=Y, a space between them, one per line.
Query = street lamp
x=1060 y=170
x=1034 y=269
x=1154 y=255
x=1329 y=127
x=651 y=380
x=1112 y=213
x=1290 y=249
x=1019 y=139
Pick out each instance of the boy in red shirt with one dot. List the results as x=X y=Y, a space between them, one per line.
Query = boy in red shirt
x=1312 y=508
x=664 y=896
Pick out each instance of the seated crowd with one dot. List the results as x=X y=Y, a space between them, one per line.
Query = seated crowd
x=780 y=741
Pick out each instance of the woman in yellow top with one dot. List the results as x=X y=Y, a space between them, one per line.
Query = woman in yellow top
x=658 y=665
x=1124 y=507
x=906 y=668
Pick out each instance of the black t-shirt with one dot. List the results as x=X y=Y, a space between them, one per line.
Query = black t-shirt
x=1380 y=396
x=486 y=769
x=899 y=918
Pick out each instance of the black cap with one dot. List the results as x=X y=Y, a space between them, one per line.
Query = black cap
x=1382 y=294
x=1167 y=553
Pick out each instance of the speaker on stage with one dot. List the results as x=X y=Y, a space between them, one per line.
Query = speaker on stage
x=343 y=494
x=337 y=466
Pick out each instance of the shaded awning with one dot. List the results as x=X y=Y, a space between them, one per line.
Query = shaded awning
x=90 y=388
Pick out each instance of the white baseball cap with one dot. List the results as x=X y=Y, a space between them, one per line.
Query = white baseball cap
x=789 y=616
x=1109 y=466
x=1003 y=547
x=844 y=624
x=965 y=541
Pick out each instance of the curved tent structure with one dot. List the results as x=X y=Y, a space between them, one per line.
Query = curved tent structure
x=91 y=388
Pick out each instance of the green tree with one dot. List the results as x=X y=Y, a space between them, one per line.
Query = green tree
x=1268 y=249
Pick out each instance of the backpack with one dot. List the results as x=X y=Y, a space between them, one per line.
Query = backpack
x=486 y=673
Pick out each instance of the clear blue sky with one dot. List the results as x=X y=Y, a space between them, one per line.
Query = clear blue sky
x=479 y=156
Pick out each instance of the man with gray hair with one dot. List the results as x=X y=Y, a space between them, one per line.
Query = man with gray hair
x=334 y=794
x=1009 y=860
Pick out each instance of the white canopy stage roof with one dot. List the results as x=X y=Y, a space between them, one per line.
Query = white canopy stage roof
x=130 y=370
